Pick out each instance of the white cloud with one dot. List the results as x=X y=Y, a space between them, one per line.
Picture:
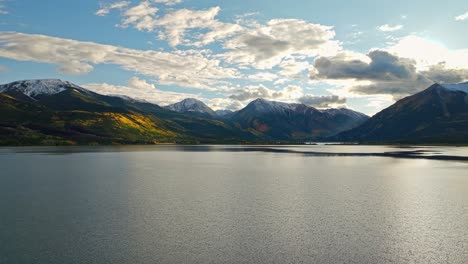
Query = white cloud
x=2 y=8
x=291 y=67
x=462 y=17
x=323 y=101
x=263 y=76
x=141 y=84
x=260 y=45
x=264 y=46
x=192 y=69
x=386 y=73
x=368 y=103
x=377 y=103
x=175 y=24
x=406 y=67
x=219 y=31
x=141 y=16
x=167 y=2
x=141 y=90
x=75 y=67
x=260 y=91
x=224 y=104
x=3 y=68
x=427 y=52
x=389 y=28
x=281 y=81
x=106 y=8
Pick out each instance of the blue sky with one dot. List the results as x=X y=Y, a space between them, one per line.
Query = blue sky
x=363 y=55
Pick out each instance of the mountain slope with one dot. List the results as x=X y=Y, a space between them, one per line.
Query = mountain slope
x=438 y=114
x=71 y=116
x=224 y=113
x=191 y=105
x=57 y=112
x=282 y=121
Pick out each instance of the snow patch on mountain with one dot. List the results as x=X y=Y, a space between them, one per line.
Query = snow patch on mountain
x=33 y=88
x=264 y=106
x=344 y=111
x=191 y=105
x=457 y=87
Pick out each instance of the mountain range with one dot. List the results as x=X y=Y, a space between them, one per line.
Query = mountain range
x=55 y=112
x=438 y=114
x=191 y=105
x=295 y=121
x=48 y=112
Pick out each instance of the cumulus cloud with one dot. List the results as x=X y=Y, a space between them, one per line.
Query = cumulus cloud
x=136 y=82
x=2 y=8
x=263 y=76
x=291 y=94
x=260 y=91
x=75 y=67
x=291 y=67
x=141 y=90
x=323 y=101
x=252 y=92
x=167 y=2
x=428 y=52
x=224 y=104
x=141 y=16
x=462 y=17
x=192 y=69
x=382 y=66
x=386 y=73
x=219 y=31
x=389 y=28
x=174 y=24
x=440 y=73
x=107 y=7
x=265 y=46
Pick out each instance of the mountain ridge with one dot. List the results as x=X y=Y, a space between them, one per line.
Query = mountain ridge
x=52 y=111
x=294 y=121
x=191 y=105
x=69 y=114
x=435 y=115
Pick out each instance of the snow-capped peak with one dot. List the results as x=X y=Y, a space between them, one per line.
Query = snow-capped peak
x=343 y=111
x=191 y=102
x=263 y=105
x=34 y=88
x=191 y=105
x=457 y=87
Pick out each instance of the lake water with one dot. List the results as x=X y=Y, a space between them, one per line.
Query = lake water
x=232 y=204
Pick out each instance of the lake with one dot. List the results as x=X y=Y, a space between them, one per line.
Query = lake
x=234 y=204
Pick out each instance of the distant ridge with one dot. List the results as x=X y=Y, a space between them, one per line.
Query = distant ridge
x=33 y=88
x=191 y=105
x=65 y=113
x=55 y=112
x=295 y=121
x=438 y=114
